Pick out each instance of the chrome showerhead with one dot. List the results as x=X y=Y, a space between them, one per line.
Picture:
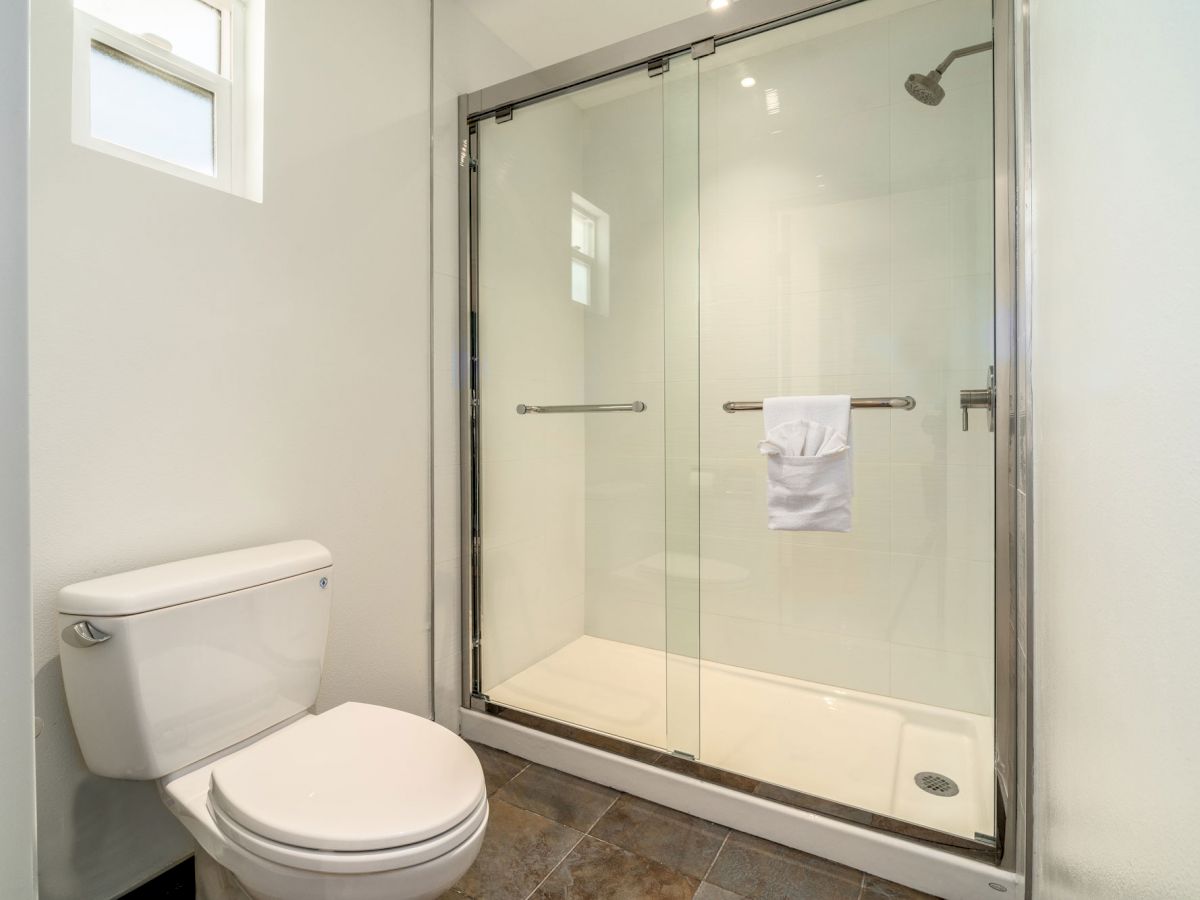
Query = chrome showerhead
x=925 y=88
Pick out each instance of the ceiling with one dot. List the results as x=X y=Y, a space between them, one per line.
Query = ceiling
x=548 y=31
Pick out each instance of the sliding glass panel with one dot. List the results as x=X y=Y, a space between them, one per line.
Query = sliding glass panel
x=847 y=250
x=575 y=568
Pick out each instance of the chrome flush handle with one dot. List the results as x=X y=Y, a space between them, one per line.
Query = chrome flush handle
x=980 y=399
x=88 y=635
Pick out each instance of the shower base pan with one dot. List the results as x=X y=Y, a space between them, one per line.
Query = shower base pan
x=774 y=748
x=862 y=750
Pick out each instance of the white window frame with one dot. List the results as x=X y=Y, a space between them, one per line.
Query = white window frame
x=229 y=142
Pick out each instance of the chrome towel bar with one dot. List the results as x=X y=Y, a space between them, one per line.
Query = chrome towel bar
x=731 y=406
x=635 y=406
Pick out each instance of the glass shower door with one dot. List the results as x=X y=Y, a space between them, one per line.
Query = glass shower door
x=583 y=592
x=847 y=249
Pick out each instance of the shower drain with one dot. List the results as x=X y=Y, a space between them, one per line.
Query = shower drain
x=933 y=783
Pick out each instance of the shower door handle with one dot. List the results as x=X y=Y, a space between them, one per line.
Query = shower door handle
x=636 y=406
x=984 y=398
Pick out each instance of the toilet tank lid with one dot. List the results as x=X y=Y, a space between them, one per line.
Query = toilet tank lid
x=173 y=583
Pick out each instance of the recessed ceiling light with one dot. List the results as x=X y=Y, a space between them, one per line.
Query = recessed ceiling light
x=714 y=5
x=748 y=81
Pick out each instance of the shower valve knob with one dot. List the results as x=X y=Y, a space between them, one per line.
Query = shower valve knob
x=984 y=398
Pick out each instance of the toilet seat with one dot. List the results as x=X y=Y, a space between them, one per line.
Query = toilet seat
x=352 y=863
x=357 y=789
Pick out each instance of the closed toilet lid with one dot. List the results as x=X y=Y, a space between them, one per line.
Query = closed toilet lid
x=357 y=777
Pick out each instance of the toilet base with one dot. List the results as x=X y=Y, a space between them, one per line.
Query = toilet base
x=214 y=881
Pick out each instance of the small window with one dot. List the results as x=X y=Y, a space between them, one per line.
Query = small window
x=164 y=83
x=581 y=281
x=142 y=108
x=589 y=255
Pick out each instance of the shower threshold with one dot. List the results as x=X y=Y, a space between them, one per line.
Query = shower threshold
x=857 y=749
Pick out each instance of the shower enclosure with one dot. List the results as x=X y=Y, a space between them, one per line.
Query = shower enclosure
x=648 y=253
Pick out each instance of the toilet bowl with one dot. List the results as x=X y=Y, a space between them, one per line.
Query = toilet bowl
x=358 y=802
x=200 y=674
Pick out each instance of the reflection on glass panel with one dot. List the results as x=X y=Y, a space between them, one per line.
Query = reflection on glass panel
x=572 y=569
x=847 y=237
x=144 y=109
x=581 y=282
x=191 y=29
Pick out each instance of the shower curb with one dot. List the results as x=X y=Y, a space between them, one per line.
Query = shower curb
x=903 y=861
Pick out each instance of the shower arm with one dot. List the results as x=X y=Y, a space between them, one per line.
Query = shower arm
x=960 y=52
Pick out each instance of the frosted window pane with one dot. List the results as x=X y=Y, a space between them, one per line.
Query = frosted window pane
x=145 y=109
x=583 y=233
x=191 y=27
x=581 y=282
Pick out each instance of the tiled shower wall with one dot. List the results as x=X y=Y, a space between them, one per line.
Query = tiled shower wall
x=846 y=247
x=532 y=352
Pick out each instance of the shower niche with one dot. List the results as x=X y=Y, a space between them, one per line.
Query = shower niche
x=793 y=211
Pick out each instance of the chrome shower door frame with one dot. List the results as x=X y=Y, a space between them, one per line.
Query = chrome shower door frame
x=696 y=35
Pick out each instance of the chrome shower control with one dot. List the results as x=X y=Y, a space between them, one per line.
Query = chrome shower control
x=980 y=399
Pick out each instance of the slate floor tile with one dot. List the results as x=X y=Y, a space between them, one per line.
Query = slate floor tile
x=875 y=888
x=519 y=849
x=664 y=835
x=760 y=869
x=709 y=891
x=499 y=768
x=596 y=870
x=558 y=796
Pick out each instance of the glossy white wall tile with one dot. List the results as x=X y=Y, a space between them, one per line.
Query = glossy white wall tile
x=845 y=247
x=846 y=238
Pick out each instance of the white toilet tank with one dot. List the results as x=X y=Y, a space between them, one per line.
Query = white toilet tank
x=167 y=665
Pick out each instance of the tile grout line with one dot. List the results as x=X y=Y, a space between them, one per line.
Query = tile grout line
x=582 y=835
x=510 y=780
x=554 y=868
x=708 y=871
x=607 y=809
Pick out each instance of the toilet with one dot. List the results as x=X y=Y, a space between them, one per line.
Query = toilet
x=201 y=675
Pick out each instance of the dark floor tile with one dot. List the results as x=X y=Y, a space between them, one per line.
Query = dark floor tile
x=756 y=868
x=499 y=768
x=709 y=891
x=675 y=839
x=595 y=870
x=519 y=849
x=558 y=796
x=875 y=888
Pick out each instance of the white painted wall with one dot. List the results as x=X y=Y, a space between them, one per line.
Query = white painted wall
x=544 y=32
x=17 y=854
x=209 y=373
x=1116 y=170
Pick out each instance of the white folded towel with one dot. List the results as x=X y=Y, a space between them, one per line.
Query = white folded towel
x=809 y=469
